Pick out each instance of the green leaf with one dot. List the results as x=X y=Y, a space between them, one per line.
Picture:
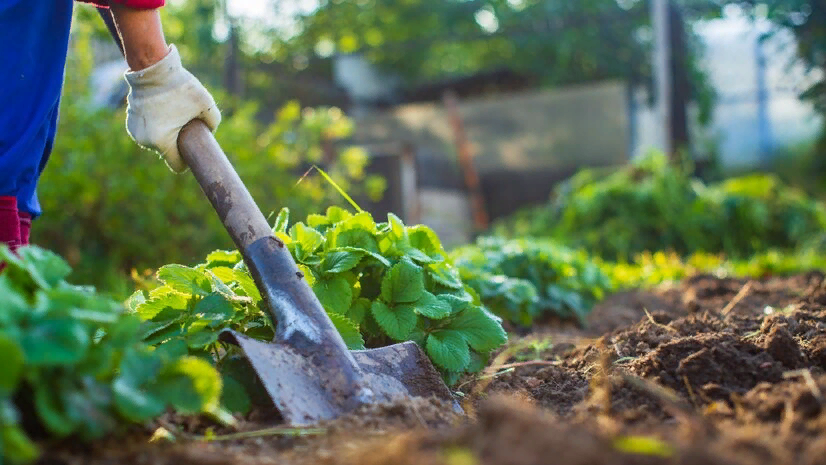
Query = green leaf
x=281 y=221
x=307 y=239
x=165 y=307
x=11 y=368
x=418 y=336
x=134 y=403
x=225 y=258
x=172 y=350
x=480 y=329
x=124 y=332
x=16 y=446
x=214 y=308
x=139 y=366
x=424 y=239
x=445 y=275
x=190 y=385
x=396 y=226
x=357 y=239
x=457 y=304
x=478 y=361
x=233 y=395
x=357 y=311
x=49 y=410
x=154 y=332
x=337 y=214
x=317 y=221
x=349 y=331
x=201 y=339
x=185 y=280
x=134 y=300
x=448 y=349
x=248 y=285
x=13 y=302
x=415 y=254
x=45 y=266
x=338 y=261
x=430 y=306
x=374 y=255
x=218 y=284
x=404 y=283
x=224 y=273
x=396 y=322
x=55 y=342
x=334 y=293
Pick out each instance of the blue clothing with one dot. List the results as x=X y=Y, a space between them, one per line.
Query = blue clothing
x=35 y=40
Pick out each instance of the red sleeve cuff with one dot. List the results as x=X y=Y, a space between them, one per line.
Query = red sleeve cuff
x=138 y=4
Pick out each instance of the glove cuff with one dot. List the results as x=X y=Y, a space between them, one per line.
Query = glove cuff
x=165 y=72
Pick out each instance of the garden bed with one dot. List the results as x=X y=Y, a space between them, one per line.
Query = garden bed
x=712 y=371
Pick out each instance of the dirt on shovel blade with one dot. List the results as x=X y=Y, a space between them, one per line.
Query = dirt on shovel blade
x=714 y=371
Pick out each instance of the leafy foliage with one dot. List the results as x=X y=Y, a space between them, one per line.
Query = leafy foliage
x=394 y=283
x=380 y=283
x=75 y=359
x=521 y=279
x=652 y=205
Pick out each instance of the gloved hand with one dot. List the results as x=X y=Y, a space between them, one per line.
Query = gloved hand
x=162 y=99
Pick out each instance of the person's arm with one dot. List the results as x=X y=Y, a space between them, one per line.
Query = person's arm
x=142 y=35
x=163 y=95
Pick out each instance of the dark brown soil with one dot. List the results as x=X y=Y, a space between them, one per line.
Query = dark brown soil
x=713 y=371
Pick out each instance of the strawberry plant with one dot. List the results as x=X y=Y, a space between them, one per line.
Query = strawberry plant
x=74 y=361
x=389 y=282
x=380 y=283
x=521 y=279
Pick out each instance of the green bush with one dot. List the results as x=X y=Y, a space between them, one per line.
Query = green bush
x=75 y=359
x=110 y=206
x=380 y=283
x=522 y=279
x=652 y=206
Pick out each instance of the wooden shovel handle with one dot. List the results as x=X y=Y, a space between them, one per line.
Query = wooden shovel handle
x=232 y=201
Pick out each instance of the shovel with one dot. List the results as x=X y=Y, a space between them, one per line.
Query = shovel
x=307 y=370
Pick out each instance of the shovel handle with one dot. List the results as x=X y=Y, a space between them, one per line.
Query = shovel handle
x=232 y=201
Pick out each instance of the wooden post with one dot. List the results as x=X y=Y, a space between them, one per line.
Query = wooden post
x=662 y=69
x=477 y=201
x=679 y=137
x=409 y=184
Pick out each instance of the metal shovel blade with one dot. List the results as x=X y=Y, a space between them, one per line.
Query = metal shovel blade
x=302 y=394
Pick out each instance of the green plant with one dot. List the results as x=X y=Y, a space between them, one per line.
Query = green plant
x=75 y=360
x=380 y=283
x=521 y=279
x=653 y=205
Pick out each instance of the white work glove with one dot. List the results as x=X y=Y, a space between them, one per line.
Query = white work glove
x=162 y=99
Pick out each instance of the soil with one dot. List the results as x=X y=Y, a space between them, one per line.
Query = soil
x=711 y=371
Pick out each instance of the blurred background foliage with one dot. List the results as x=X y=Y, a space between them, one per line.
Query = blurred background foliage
x=653 y=205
